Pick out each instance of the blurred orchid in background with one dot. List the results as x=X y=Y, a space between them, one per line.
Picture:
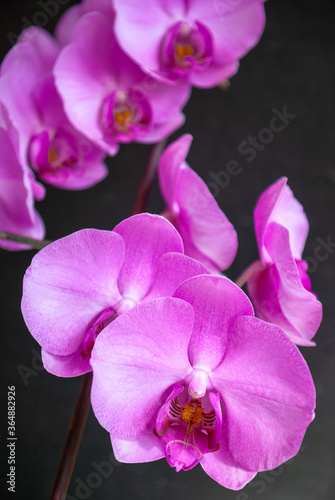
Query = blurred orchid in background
x=191 y=40
x=18 y=189
x=57 y=152
x=106 y=95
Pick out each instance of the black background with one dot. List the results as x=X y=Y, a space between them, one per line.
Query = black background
x=292 y=66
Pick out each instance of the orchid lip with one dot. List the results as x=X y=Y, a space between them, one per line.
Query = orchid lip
x=53 y=153
x=187 y=429
x=187 y=47
x=125 y=114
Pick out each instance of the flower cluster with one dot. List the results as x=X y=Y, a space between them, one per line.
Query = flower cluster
x=73 y=98
x=182 y=368
x=185 y=365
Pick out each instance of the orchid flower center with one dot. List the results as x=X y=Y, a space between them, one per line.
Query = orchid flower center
x=53 y=154
x=188 y=431
x=125 y=114
x=186 y=47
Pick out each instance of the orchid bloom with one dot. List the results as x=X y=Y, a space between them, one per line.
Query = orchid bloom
x=18 y=189
x=56 y=151
x=196 y=378
x=195 y=40
x=76 y=285
x=107 y=96
x=207 y=234
x=278 y=285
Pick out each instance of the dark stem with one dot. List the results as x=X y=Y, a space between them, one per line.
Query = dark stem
x=253 y=268
x=83 y=402
x=73 y=440
x=36 y=244
x=144 y=190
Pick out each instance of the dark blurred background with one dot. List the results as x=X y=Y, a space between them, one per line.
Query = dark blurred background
x=292 y=67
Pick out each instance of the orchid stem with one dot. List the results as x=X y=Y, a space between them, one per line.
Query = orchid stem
x=243 y=278
x=83 y=403
x=36 y=244
x=73 y=440
x=144 y=190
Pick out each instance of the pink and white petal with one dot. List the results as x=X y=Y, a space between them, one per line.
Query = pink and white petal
x=268 y=394
x=45 y=46
x=173 y=268
x=68 y=284
x=146 y=21
x=293 y=297
x=217 y=302
x=290 y=213
x=72 y=365
x=147 y=237
x=135 y=360
x=262 y=213
x=169 y=168
x=205 y=229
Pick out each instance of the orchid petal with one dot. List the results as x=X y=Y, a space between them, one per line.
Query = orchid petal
x=145 y=448
x=169 y=168
x=72 y=365
x=207 y=233
x=173 y=268
x=217 y=301
x=44 y=45
x=17 y=213
x=135 y=360
x=278 y=293
x=84 y=73
x=68 y=284
x=268 y=394
x=157 y=236
x=277 y=204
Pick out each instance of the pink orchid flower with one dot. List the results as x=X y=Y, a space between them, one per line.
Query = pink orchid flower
x=55 y=150
x=279 y=286
x=107 y=96
x=197 y=40
x=18 y=189
x=207 y=234
x=75 y=286
x=198 y=379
